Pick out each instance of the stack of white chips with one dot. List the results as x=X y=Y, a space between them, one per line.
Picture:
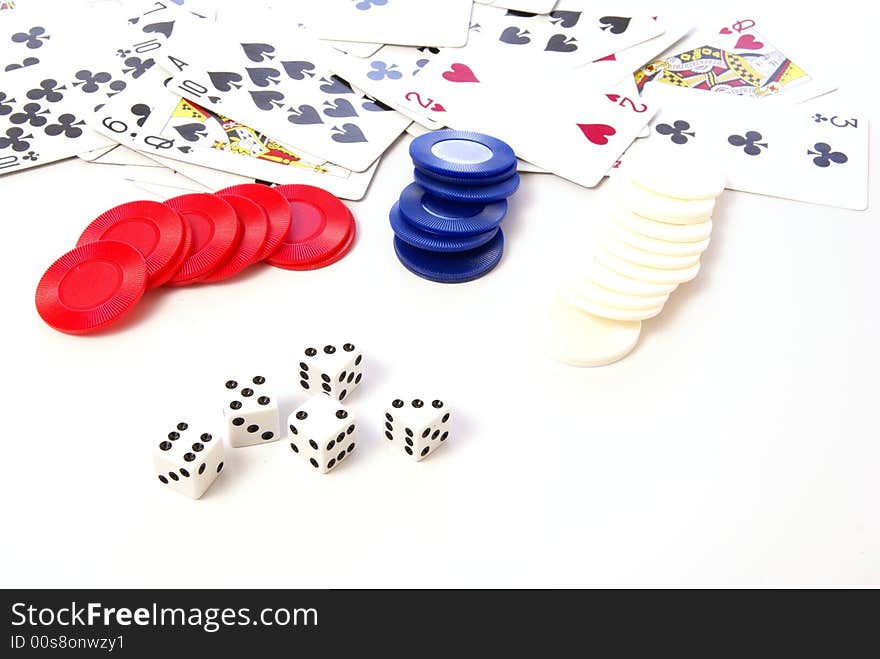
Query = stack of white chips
x=657 y=225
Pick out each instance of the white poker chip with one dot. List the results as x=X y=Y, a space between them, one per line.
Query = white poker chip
x=655 y=245
x=581 y=339
x=676 y=233
x=609 y=279
x=647 y=259
x=582 y=288
x=657 y=207
x=674 y=177
x=653 y=275
x=609 y=312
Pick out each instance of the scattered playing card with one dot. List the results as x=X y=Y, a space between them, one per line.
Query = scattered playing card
x=816 y=154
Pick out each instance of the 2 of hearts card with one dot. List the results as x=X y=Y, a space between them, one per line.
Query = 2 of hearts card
x=281 y=86
x=814 y=153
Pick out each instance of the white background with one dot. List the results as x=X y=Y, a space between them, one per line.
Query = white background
x=737 y=446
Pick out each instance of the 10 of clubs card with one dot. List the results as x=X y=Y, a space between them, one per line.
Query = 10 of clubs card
x=816 y=153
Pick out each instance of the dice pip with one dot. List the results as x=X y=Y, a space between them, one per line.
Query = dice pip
x=331 y=370
x=188 y=461
x=420 y=427
x=251 y=412
x=322 y=432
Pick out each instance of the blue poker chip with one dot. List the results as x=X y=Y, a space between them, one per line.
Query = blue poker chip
x=433 y=242
x=458 y=180
x=445 y=217
x=451 y=268
x=462 y=154
x=468 y=193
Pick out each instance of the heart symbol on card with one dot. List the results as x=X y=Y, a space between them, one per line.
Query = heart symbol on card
x=460 y=73
x=597 y=133
x=726 y=30
x=748 y=42
x=608 y=58
x=613 y=97
x=437 y=108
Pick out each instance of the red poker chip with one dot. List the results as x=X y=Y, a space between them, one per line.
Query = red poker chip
x=254 y=231
x=154 y=229
x=182 y=254
x=91 y=286
x=321 y=227
x=276 y=207
x=215 y=230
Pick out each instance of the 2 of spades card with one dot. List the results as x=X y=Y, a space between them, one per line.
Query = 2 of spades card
x=282 y=87
x=816 y=153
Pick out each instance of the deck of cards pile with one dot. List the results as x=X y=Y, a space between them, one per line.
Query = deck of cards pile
x=446 y=224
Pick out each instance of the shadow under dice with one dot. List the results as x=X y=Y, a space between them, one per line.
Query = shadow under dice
x=419 y=427
x=251 y=412
x=331 y=370
x=322 y=432
x=188 y=461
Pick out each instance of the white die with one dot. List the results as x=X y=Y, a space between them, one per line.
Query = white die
x=419 y=427
x=331 y=370
x=322 y=432
x=251 y=412
x=188 y=461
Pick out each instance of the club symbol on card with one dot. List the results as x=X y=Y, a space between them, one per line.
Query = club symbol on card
x=16 y=140
x=67 y=125
x=165 y=28
x=33 y=115
x=348 y=134
x=381 y=70
x=33 y=38
x=614 y=24
x=142 y=111
x=750 y=143
x=116 y=86
x=335 y=85
x=304 y=115
x=48 y=89
x=825 y=155
x=819 y=118
x=679 y=132
x=123 y=52
x=26 y=62
x=365 y=5
x=223 y=81
x=559 y=43
x=420 y=64
x=598 y=133
x=33 y=156
x=514 y=36
x=565 y=18
x=460 y=73
x=137 y=66
x=298 y=70
x=258 y=52
x=91 y=82
x=339 y=108
x=5 y=101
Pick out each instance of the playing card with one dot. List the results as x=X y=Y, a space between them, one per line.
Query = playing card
x=737 y=59
x=815 y=154
x=389 y=75
x=281 y=86
x=117 y=154
x=209 y=147
x=400 y=22
x=8 y=4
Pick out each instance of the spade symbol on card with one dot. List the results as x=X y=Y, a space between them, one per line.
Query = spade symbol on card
x=460 y=73
x=264 y=76
x=375 y=106
x=559 y=43
x=614 y=24
x=184 y=149
x=258 y=52
x=192 y=132
x=597 y=133
x=298 y=70
x=165 y=28
x=335 y=85
x=565 y=18
x=304 y=115
x=223 y=81
x=267 y=100
x=348 y=134
x=340 y=108
x=515 y=36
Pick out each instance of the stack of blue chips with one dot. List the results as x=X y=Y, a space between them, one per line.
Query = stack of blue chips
x=446 y=224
